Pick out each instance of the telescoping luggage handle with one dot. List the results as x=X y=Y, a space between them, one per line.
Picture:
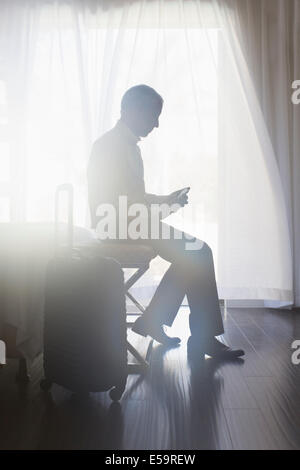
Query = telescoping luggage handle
x=68 y=188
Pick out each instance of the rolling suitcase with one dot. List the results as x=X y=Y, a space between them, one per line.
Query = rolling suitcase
x=85 y=319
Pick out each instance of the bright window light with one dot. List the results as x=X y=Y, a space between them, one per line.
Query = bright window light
x=67 y=112
x=4 y=209
x=4 y=162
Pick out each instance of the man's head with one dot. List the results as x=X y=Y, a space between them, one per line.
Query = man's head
x=141 y=106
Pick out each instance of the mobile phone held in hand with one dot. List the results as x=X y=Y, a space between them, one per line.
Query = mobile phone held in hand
x=183 y=192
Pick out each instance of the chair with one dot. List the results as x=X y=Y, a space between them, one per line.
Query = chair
x=137 y=257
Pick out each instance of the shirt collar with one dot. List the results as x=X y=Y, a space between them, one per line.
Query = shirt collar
x=126 y=132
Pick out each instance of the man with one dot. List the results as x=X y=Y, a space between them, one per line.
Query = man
x=116 y=169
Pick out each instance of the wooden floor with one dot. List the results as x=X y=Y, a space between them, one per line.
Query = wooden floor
x=180 y=404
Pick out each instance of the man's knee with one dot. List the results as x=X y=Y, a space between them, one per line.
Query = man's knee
x=204 y=252
x=201 y=248
x=207 y=249
x=204 y=255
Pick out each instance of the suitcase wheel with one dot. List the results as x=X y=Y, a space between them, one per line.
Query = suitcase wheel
x=45 y=385
x=116 y=393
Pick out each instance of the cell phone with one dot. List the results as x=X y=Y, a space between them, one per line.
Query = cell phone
x=183 y=192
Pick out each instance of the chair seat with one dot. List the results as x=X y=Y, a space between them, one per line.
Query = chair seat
x=128 y=255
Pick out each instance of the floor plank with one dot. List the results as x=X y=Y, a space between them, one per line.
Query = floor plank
x=180 y=403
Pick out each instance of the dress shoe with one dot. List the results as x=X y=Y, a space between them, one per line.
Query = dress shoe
x=218 y=350
x=155 y=331
x=214 y=348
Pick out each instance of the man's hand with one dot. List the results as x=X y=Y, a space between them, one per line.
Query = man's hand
x=179 y=197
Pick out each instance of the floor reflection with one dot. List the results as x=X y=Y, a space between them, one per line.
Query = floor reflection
x=187 y=393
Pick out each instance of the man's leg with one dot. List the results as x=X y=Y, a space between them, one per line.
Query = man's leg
x=191 y=273
x=167 y=298
x=162 y=308
x=205 y=315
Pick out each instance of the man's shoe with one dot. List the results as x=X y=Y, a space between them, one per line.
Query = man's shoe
x=218 y=350
x=212 y=347
x=155 y=331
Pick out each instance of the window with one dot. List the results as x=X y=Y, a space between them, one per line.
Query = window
x=69 y=109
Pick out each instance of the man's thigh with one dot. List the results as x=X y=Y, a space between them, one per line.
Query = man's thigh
x=175 y=246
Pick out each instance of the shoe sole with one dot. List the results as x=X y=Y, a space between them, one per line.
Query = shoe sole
x=228 y=355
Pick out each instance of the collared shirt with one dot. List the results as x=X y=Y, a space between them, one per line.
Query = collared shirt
x=115 y=169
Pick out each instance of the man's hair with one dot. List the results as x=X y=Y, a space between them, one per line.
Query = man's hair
x=140 y=95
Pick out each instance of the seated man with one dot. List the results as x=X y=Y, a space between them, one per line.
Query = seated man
x=115 y=172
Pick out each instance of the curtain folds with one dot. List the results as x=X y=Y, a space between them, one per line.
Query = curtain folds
x=269 y=33
x=228 y=128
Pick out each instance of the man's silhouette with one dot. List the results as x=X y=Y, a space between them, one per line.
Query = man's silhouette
x=116 y=169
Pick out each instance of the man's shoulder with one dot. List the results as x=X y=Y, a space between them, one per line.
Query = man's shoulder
x=105 y=151
x=106 y=141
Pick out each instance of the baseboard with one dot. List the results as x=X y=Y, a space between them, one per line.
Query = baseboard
x=243 y=303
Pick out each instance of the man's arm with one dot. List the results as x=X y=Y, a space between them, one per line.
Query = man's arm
x=168 y=204
x=154 y=199
x=168 y=199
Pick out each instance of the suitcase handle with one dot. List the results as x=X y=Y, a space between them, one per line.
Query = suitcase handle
x=69 y=189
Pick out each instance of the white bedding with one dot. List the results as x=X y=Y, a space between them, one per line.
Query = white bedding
x=24 y=252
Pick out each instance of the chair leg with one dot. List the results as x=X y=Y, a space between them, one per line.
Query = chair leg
x=142 y=365
x=135 y=277
x=136 y=303
x=128 y=284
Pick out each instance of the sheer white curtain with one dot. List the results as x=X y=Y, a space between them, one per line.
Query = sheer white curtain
x=66 y=66
x=269 y=32
x=255 y=220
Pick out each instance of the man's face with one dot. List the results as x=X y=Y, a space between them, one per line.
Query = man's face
x=145 y=119
x=149 y=119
